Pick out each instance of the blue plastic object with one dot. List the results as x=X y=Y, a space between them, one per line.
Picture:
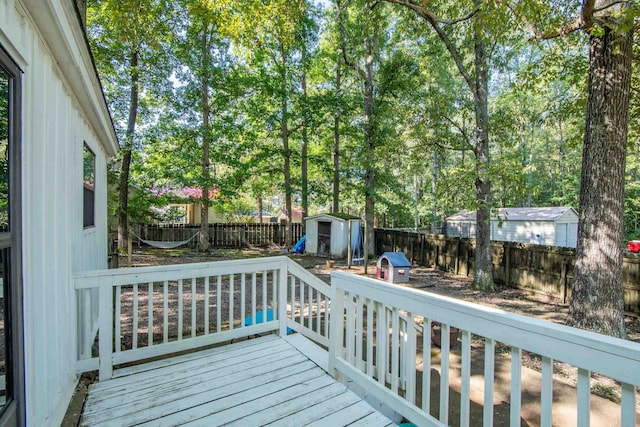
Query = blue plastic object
x=248 y=321
x=300 y=246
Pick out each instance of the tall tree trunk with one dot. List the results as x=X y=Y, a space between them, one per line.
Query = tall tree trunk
x=597 y=294
x=123 y=187
x=206 y=142
x=336 y=140
x=434 y=191
x=260 y=209
x=483 y=274
x=370 y=143
x=286 y=153
x=305 y=139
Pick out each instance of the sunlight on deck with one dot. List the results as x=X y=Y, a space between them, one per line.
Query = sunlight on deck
x=254 y=382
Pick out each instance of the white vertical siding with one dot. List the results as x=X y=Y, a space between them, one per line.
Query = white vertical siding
x=54 y=242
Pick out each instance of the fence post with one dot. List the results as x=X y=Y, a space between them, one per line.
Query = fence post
x=563 y=280
x=507 y=264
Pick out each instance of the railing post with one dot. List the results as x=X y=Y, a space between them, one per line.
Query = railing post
x=336 y=327
x=105 y=342
x=282 y=298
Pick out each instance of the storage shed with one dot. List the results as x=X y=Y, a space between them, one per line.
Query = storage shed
x=553 y=226
x=393 y=267
x=328 y=234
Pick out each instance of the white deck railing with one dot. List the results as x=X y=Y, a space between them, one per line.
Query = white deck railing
x=147 y=312
x=380 y=334
x=379 y=331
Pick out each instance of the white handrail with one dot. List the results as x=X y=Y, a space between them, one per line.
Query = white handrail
x=590 y=352
x=240 y=298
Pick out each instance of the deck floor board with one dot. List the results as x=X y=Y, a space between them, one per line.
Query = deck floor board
x=255 y=382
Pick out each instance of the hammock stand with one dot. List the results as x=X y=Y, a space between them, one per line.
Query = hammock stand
x=165 y=245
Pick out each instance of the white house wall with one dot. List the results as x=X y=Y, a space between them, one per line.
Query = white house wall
x=54 y=242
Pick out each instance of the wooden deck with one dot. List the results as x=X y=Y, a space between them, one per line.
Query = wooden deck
x=263 y=381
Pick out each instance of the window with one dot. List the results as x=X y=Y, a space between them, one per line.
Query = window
x=89 y=184
x=11 y=329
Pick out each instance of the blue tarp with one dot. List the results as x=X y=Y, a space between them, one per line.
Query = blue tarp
x=300 y=246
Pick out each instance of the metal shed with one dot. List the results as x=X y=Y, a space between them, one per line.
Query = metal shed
x=328 y=234
x=553 y=226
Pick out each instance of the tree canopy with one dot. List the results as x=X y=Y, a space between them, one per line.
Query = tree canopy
x=402 y=112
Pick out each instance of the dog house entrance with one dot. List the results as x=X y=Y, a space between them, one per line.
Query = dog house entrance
x=324 y=238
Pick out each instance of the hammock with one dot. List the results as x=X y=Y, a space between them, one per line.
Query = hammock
x=165 y=245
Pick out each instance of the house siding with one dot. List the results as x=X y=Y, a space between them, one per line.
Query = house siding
x=54 y=243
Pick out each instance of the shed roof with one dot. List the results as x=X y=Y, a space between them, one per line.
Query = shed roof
x=396 y=259
x=550 y=213
x=340 y=216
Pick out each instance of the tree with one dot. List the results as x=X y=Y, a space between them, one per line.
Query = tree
x=129 y=40
x=477 y=82
x=597 y=294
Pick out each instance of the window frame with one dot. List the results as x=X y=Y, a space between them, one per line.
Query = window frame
x=88 y=191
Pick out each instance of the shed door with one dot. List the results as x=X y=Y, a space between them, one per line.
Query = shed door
x=562 y=233
x=11 y=347
x=324 y=238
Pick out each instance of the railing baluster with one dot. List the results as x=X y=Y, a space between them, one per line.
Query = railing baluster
x=310 y=304
x=243 y=313
x=465 y=379
x=206 y=305
x=628 y=405
x=546 y=393
x=516 y=386
x=426 y=366
x=410 y=360
x=383 y=347
x=165 y=311
x=264 y=294
x=395 y=348
x=444 y=373
x=584 y=398
x=489 y=374
x=292 y=282
x=231 y=300
x=274 y=293
x=134 y=338
x=370 y=328
x=219 y=304
x=180 y=310
x=350 y=306
x=118 y=318
x=318 y=313
x=253 y=298
x=302 y=307
x=359 y=332
x=194 y=306
x=150 y=318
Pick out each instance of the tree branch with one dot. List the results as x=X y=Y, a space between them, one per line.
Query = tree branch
x=434 y=21
x=343 y=46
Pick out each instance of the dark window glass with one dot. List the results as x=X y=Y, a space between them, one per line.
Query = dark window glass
x=89 y=184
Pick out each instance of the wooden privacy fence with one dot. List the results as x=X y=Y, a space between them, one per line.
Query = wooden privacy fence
x=545 y=270
x=225 y=235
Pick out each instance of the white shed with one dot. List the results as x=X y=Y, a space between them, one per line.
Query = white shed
x=553 y=226
x=58 y=137
x=328 y=234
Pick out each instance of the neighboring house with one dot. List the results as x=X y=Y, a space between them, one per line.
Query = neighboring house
x=266 y=217
x=55 y=146
x=552 y=226
x=185 y=199
x=281 y=216
x=328 y=234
